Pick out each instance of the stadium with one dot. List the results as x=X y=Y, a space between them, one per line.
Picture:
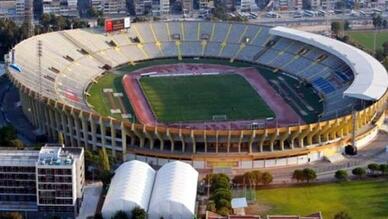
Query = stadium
x=210 y=94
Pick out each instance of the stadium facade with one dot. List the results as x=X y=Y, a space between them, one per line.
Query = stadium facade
x=53 y=87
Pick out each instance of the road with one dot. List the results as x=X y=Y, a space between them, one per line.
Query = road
x=374 y=152
x=11 y=112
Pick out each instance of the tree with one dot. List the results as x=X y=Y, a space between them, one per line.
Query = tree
x=342 y=215
x=104 y=159
x=309 y=174
x=222 y=193
x=16 y=143
x=377 y=21
x=385 y=62
x=385 y=46
x=249 y=178
x=341 y=175
x=383 y=168
x=258 y=176
x=220 y=203
x=335 y=27
x=211 y=206
x=98 y=216
x=373 y=167
x=379 y=54
x=266 y=178
x=138 y=213
x=238 y=180
x=7 y=133
x=359 y=171
x=224 y=211
x=120 y=215
x=298 y=176
x=11 y=215
x=219 y=181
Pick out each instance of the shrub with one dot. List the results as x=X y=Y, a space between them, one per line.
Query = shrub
x=374 y=167
x=341 y=175
x=342 y=215
x=309 y=174
x=266 y=178
x=359 y=171
x=298 y=175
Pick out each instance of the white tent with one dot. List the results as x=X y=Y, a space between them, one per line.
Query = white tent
x=130 y=187
x=174 y=192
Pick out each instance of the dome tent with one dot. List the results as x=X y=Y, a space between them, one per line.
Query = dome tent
x=174 y=192
x=130 y=187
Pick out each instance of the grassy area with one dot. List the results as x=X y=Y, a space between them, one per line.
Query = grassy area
x=113 y=80
x=99 y=100
x=194 y=98
x=366 y=38
x=360 y=199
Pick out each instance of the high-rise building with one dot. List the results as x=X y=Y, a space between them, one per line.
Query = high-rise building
x=164 y=7
x=187 y=6
x=142 y=6
x=42 y=183
x=247 y=5
x=12 y=8
x=111 y=7
x=206 y=5
x=61 y=7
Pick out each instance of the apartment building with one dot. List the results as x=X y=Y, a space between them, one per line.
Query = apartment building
x=187 y=6
x=111 y=7
x=66 y=8
x=42 y=183
x=12 y=8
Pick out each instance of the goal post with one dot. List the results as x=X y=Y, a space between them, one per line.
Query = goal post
x=221 y=117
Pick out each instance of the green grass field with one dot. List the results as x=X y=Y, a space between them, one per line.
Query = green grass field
x=360 y=199
x=366 y=38
x=99 y=101
x=113 y=80
x=198 y=98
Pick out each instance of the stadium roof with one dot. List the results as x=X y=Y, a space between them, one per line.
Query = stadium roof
x=370 y=77
x=131 y=187
x=174 y=191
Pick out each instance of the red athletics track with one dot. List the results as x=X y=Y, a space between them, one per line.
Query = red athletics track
x=285 y=115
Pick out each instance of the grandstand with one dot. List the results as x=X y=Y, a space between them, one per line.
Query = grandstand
x=54 y=91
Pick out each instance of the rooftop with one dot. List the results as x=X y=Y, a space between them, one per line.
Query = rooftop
x=57 y=155
x=49 y=154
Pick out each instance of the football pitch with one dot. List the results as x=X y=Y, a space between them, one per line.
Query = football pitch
x=360 y=199
x=366 y=38
x=203 y=98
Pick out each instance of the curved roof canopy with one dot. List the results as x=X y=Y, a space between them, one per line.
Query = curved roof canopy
x=131 y=187
x=174 y=192
x=370 y=77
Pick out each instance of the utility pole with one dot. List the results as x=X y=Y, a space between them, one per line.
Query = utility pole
x=354 y=113
x=40 y=52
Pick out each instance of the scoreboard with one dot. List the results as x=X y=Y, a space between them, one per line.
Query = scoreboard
x=112 y=25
